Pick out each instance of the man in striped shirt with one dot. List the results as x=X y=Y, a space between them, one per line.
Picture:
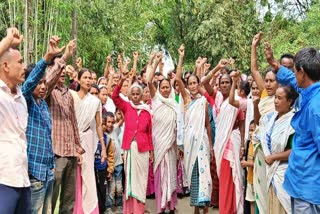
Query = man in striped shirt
x=65 y=135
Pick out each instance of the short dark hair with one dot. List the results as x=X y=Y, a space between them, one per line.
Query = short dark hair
x=286 y=55
x=252 y=122
x=96 y=87
x=107 y=114
x=227 y=69
x=245 y=86
x=52 y=61
x=309 y=60
x=29 y=68
x=291 y=94
x=165 y=79
x=80 y=73
x=192 y=75
x=270 y=70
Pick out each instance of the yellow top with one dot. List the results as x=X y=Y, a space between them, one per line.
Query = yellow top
x=250 y=160
x=264 y=93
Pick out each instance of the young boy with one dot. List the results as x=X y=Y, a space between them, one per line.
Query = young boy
x=103 y=171
x=249 y=164
x=115 y=189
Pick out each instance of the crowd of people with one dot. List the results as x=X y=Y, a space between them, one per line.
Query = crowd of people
x=241 y=143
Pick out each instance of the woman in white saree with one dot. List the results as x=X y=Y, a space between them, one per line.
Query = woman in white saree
x=228 y=151
x=262 y=106
x=87 y=108
x=277 y=149
x=164 y=111
x=195 y=140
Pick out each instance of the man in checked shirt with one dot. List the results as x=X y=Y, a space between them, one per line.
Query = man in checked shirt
x=41 y=162
x=65 y=135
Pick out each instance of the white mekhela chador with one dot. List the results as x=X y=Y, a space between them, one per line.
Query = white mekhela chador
x=276 y=140
x=227 y=146
x=164 y=142
x=196 y=147
x=266 y=106
x=86 y=109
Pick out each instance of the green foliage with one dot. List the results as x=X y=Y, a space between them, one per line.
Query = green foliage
x=212 y=28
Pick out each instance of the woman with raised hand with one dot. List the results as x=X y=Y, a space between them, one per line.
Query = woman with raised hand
x=278 y=140
x=229 y=149
x=164 y=108
x=195 y=139
x=137 y=144
x=262 y=107
x=88 y=111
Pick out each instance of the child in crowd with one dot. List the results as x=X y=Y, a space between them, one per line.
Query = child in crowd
x=115 y=187
x=249 y=164
x=103 y=171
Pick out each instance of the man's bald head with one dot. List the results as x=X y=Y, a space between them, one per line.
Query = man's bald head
x=12 y=67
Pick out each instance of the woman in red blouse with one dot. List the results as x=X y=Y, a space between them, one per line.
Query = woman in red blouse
x=137 y=143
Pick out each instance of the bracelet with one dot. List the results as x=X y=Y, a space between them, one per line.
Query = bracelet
x=101 y=138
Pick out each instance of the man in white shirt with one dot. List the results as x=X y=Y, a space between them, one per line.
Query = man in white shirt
x=15 y=195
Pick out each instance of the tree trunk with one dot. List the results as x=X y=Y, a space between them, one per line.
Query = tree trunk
x=30 y=31
x=36 y=30
x=74 y=31
x=25 y=31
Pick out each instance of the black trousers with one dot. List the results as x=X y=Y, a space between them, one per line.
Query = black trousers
x=101 y=182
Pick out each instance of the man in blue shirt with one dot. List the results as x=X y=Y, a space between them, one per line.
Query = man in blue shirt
x=302 y=178
x=41 y=161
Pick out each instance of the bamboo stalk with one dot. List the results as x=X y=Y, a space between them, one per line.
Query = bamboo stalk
x=10 y=13
x=25 y=29
x=36 y=29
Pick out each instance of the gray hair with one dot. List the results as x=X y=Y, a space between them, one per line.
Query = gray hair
x=135 y=85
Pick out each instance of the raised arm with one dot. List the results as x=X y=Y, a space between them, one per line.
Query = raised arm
x=151 y=58
x=54 y=72
x=284 y=75
x=118 y=101
x=179 y=74
x=33 y=79
x=254 y=61
x=107 y=67
x=150 y=74
x=38 y=71
x=197 y=69
x=206 y=68
x=79 y=63
x=256 y=112
x=161 y=65
x=232 y=63
x=135 y=63
x=125 y=65
x=119 y=61
x=12 y=40
x=206 y=80
x=232 y=100
x=110 y=81
x=202 y=67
